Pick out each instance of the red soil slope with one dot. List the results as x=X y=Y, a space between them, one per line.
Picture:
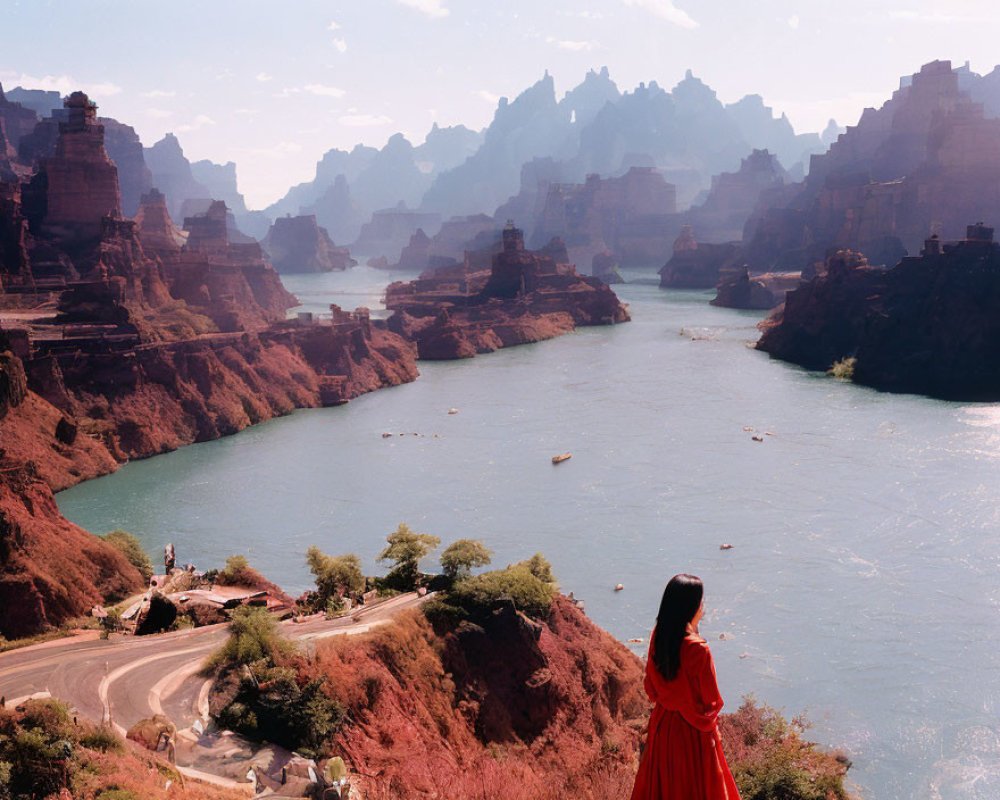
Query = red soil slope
x=512 y=709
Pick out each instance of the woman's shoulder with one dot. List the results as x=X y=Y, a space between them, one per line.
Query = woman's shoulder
x=695 y=643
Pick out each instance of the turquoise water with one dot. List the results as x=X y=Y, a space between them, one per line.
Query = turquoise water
x=863 y=584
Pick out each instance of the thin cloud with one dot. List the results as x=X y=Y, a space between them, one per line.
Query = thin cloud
x=263 y=77
x=666 y=10
x=489 y=97
x=323 y=91
x=937 y=17
x=158 y=113
x=341 y=45
x=158 y=93
x=364 y=120
x=333 y=26
x=572 y=46
x=793 y=22
x=201 y=121
x=432 y=8
x=64 y=84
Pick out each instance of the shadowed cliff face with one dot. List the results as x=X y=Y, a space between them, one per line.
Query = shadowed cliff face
x=511 y=707
x=928 y=325
x=930 y=156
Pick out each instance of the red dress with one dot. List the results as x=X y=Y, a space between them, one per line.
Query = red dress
x=683 y=759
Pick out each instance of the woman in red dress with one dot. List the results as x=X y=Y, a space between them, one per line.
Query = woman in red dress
x=683 y=759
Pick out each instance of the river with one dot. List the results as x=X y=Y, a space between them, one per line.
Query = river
x=863 y=582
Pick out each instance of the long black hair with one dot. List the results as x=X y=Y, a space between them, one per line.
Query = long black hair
x=681 y=601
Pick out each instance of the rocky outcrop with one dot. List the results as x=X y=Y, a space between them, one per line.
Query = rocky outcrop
x=554 y=708
x=735 y=195
x=124 y=149
x=157 y=232
x=77 y=187
x=929 y=325
x=172 y=174
x=390 y=230
x=628 y=215
x=525 y=296
x=605 y=266
x=926 y=162
x=13 y=238
x=18 y=120
x=757 y=293
x=450 y=245
x=697 y=265
x=298 y=244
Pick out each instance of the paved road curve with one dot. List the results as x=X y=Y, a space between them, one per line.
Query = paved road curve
x=130 y=679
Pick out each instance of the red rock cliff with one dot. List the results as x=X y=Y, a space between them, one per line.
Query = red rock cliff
x=512 y=708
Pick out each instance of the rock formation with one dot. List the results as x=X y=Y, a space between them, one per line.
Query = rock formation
x=735 y=195
x=450 y=245
x=927 y=161
x=929 y=325
x=554 y=708
x=757 y=293
x=77 y=187
x=525 y=296
x=390 y=230
x=125 y=150
x=157 y=232
x=172 y=174
x=628 y=215
x=18 y=120
x=298 y=244
x=605 y=266
x=695 y=265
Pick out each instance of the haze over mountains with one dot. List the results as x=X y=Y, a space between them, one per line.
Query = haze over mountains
x=687 y=133
x=538 y=147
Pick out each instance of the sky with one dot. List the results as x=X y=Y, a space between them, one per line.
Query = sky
x=274 y=85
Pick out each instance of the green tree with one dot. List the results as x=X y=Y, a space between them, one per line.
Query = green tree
x=405 y=548
x=479 y=594
x=335 y=575
x=132 y=550
x=253 y=637
x=464 y=555
x=539 y=566
x=234 y=567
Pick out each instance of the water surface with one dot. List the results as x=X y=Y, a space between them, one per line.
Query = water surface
x=863 y=580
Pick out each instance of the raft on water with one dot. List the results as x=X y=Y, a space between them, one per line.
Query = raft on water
x=560 y=459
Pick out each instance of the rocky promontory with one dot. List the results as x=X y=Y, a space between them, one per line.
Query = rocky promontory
x=928 y=325
x=298 y=244
x=525 y=296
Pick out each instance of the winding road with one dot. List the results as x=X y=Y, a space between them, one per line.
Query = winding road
x=124 y=680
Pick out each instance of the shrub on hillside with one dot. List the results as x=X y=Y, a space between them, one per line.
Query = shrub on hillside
x=263 y=698
x=335 y=576
x=270 y=704
x=44 y=752
x=529 y=584
x=131 y=548
x=253 y=637
x=770 y=758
